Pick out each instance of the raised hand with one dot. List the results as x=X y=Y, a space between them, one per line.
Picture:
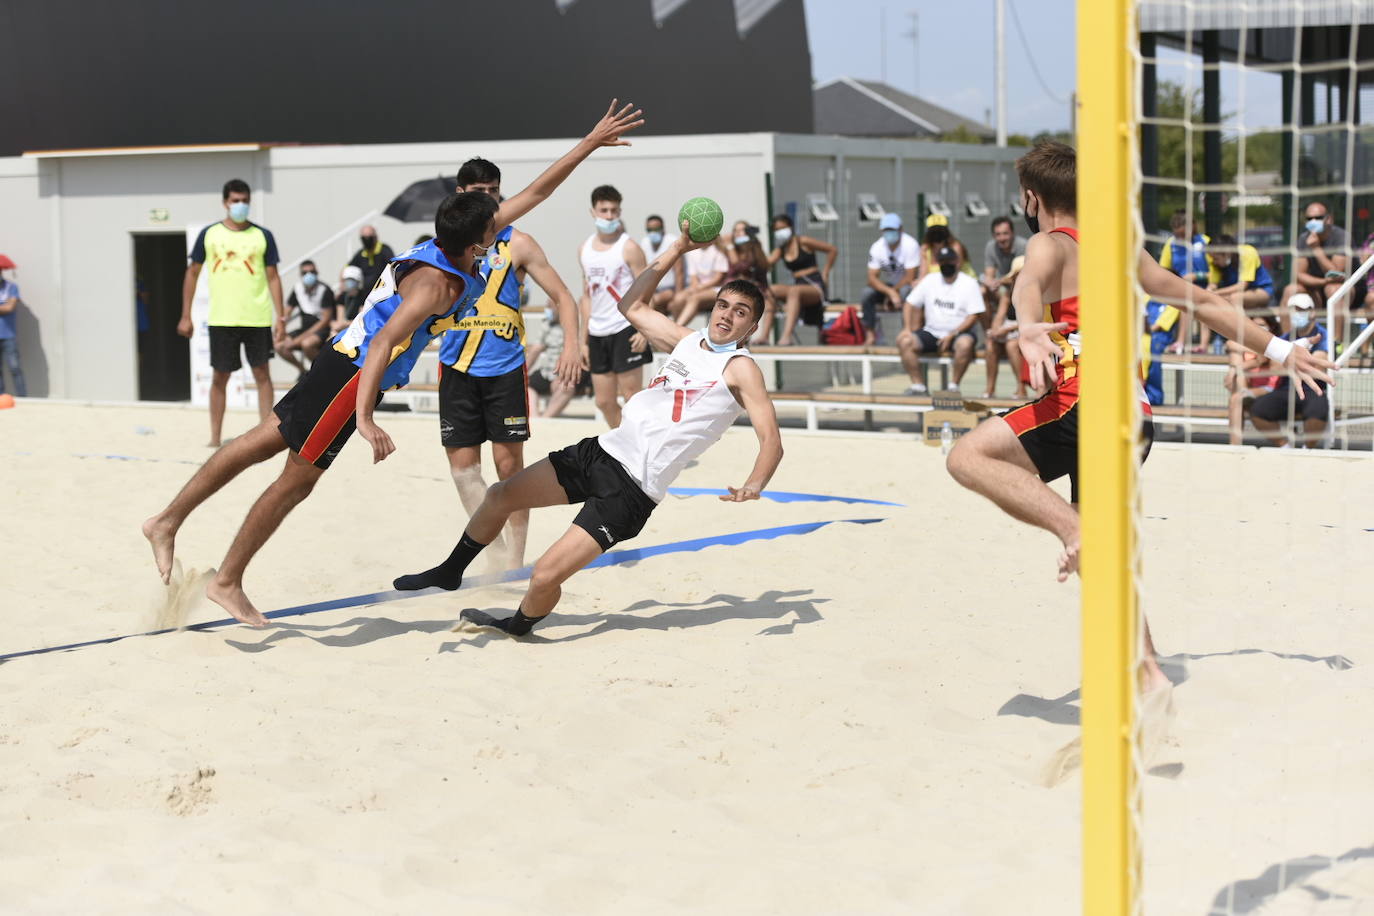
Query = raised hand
x=1308 y=368
x=608 y=130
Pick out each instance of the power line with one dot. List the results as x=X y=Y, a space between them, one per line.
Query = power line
x=1025 y=45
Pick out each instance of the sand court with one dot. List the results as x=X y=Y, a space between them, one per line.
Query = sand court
x=849 y=718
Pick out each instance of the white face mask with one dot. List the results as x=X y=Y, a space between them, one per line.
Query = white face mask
x=550 y=316
x=1301 y=319
x=607 y=226
x=782 y=235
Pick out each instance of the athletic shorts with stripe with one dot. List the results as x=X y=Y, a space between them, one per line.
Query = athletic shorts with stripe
x=1047 y=429
x=318 y=414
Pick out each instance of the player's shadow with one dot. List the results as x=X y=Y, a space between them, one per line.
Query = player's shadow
x=1250 y=894
x=771 y=605
x=1064 y=710
x=364 y=630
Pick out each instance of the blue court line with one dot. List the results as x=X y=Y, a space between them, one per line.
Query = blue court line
x=612 y=558
x=783 y=496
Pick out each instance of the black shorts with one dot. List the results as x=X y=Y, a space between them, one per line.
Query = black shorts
x=306 y=324
x=317 y=415
x=1047 y=429
x=1274 y=405
x=225 y=342
x=615 y=508
x=814 y=314
x=474 y=409
x=613 y=353
x=931 y=344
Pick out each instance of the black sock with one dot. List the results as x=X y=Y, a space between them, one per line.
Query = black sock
x=517 y=625
x=448 y=574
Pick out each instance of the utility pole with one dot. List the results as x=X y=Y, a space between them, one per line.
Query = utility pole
x=882 y=30
x=915 y=35
x=1001 y=71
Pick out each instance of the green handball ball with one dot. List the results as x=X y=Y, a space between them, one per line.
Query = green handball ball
x=704 y=218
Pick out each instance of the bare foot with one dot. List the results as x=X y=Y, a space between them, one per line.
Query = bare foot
x=163 y=538
x=1151 y=678
x=212 y=444
x=1068 y=561
x=233 y=600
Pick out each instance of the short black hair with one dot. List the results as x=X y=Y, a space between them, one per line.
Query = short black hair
x=605 y=192
x=476 y=171
x=938 y=235
x=999 y=220
x=462 y=220
x=1225 y=240
x=651 y=217
x=749 y=290
x=782 y=218
x=236 y=184
x=305 y=262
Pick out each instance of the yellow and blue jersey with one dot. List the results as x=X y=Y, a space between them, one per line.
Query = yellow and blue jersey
x=490 y=339
x=1183 y=258
x=382 y=303
x=1245 y=267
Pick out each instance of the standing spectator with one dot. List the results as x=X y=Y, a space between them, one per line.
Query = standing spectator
x=613 y=351
x=9 y=337
x=998 y=254
x=1251 y=376
x=541 y=360
x=372 y=258
x=943 y=309
x=246 y=308
x=892 y=264
x=654 y=243
x=1270 y=411
x=1186 y=255
x=350 y=297
x=810 y=284
x=1323 y=262
x=938 y=236
x=312 y=314
x=705 y=270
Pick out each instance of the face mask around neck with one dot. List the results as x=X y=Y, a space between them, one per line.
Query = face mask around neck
x=720 y=348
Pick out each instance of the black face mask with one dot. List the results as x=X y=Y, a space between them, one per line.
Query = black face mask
x=1032 y=222
x=369 y=240
x=948 y=271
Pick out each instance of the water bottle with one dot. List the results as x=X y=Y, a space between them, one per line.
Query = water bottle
x=946 y=438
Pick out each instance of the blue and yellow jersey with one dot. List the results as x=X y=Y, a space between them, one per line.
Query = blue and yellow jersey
x=1246 y=268
x=490 y=340
x=382 y=303
x=1177 y=257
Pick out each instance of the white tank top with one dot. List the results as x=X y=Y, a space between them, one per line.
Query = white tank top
x=608 y=278
x=684 y=411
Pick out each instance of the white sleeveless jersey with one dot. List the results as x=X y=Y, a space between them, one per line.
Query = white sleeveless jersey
x=608 y=278
x=684 y=411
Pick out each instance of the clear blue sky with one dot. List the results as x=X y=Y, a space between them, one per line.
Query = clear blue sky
x=956 y=53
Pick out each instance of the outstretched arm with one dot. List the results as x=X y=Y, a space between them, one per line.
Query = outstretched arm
x=607 y=132
x=1229 y=320
x=746 y=384
x=637 y=303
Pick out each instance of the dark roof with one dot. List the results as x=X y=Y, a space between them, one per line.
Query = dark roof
x=864 y=108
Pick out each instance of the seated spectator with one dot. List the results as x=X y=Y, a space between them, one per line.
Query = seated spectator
x=1237 y=274
x=705 y=269
x=372 y=258
x=747 y=262
x=541 y=364
x=1186 y=255
x=421 y=239
x=892 y=264
x=1323 y=262
x=654 y=243
x=805 y=297
x=940 y=316
x=9 y=336
x=350 y=298
x=312 y=315
x=1250 y=376
x=999 y=253
x=1270 y=412
x=1161 y=324
x=938 y=236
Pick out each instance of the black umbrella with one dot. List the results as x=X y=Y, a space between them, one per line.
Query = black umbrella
x=419 y=202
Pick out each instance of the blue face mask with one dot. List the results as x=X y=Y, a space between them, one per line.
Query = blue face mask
x=1316 y=225
x=892 y=236
x=741 y=240
x=720 y=348
x=550 y=316
x=309 y=278
x=238 y=212
x=655 y=238
x=607 y=226
x=1300 y=319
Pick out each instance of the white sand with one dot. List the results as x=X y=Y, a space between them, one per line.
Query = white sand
x=802 y=725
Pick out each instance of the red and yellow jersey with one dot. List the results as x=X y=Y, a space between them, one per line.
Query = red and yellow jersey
x=1069 y=342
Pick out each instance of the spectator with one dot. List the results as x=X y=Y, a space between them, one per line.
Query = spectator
x=1322 y=263
x=372 y=258
x=892 y=264
x=654 y=243
x=246 y=310
x=938 y=236
x=1186 y=255
x=1236 y=273
x=705 y=270
x=1251 y=376
x=1270 y=411
x=1161 y=324
x=350 y=298
x=810 y=284
x=9 y=337
x=1002 y=333
x=541 y=359
x=943 y=309
x=1002 y=249
x=747 y=261
x=613 y=351
x=312 y=313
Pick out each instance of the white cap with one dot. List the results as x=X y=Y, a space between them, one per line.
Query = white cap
x=354 y=272
x=1300 y=301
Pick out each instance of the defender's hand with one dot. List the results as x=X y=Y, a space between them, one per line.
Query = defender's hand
x=381 y=442
x=743 y=494
x=614 y=123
